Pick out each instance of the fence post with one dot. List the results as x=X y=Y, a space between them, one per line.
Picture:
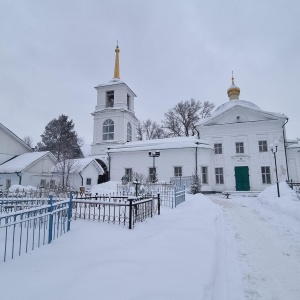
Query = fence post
x=70 y=211
x=175 y=195
x=152 y=205
x=50 y=219
x=158 y=203
x=130 y=213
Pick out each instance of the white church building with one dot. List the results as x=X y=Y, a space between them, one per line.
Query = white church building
x=232 y=153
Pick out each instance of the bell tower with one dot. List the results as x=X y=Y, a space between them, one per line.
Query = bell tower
x=114 y=117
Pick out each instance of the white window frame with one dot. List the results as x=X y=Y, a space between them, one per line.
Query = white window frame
x=108 y=130
x=263 y=146
x=177 y=171
x=219 y=175
x=8 y=183
x=129 y=132
x=239 y=147
x=151 y=173
x=218 y=147
x=128 y=102
x=43 y=183
x=128 y=172
x=204 y=174
x=110 y=98
x=266 y=174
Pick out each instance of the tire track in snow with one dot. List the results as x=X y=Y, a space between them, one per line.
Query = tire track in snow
x=270 y=260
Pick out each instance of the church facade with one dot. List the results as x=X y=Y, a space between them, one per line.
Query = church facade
x=235 y=150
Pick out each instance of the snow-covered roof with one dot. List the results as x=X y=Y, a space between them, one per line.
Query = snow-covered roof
x=77 y=165
x=15 y=137
x=103 y=158
x=23 y=161
x=160 y=144
x=115 y=81
x=86 y=150
x=229 y=105
x=296 y=145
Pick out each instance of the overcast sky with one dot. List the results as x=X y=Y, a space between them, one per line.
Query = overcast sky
x=53 y=54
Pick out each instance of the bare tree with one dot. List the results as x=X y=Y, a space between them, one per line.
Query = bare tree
x=139 y=177
x=153 y=130
x=28 y=141
x=149 y=128
x=181 y=120
x=139 y=131
x=64 y=170
x=206 y=109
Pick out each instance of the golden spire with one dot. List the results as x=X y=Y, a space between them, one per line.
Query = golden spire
x=233 y=92
x=117 y=67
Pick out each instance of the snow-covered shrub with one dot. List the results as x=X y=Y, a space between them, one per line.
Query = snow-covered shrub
x=196 y=184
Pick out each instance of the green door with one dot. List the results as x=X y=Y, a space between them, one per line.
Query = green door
x=242 y=178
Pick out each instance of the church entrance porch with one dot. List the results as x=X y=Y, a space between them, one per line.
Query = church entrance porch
x=242 y=178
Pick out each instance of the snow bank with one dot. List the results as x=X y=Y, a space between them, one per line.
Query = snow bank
x=288 y=203
x=22 y=188
x=177 y=255
x=105 y=188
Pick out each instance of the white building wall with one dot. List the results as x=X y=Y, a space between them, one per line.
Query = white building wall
x=90 y=172
x=34 y=179
x=140 y=162
x=293 y=155
x=44 y=165
x=120 y=119
x=249 y=134
x=9 y=147
x=14 y=178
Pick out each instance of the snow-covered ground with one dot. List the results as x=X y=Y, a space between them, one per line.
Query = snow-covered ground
x=267 y=233
x=222 y=249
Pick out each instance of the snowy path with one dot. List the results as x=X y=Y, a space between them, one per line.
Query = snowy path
x=269 y=255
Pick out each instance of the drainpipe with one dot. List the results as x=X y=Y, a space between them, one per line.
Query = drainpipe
x=81 y=178
x=284 y=139
x=196 y=160
x=20 y=177
x=109 y=162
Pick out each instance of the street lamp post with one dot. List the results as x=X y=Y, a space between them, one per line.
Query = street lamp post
x=154 y=154
x=274 y=151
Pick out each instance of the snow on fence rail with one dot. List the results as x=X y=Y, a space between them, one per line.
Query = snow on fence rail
x=27 y=227
x=170 y=195
x=34 y=194
x=182 y=181
x=116 y=209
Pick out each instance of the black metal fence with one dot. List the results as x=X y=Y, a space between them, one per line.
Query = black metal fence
x=125 y=210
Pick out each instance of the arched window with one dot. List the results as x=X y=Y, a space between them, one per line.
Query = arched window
x=129 y=132
x=108 y=130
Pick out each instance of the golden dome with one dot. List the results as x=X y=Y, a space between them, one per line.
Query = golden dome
x=234 y=91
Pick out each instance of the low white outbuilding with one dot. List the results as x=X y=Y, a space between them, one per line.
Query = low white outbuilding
x=81 y=172
x=11 y=145
x=28 y=169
